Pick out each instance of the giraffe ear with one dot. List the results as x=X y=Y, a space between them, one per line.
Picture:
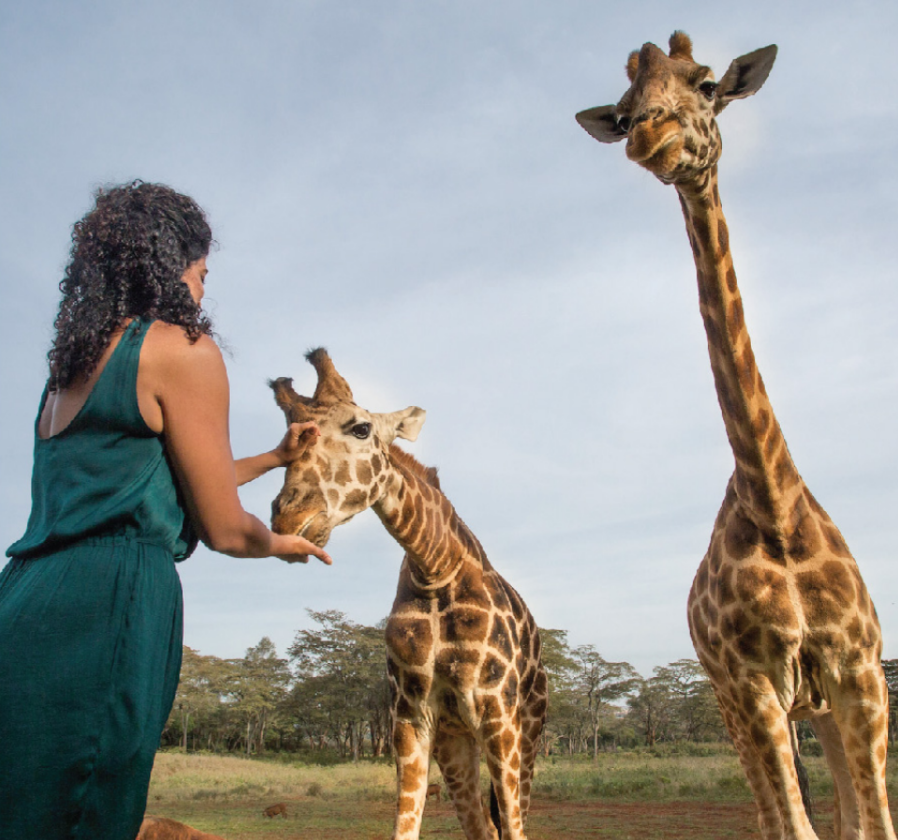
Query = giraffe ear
x=745 y=76
x=404 y=424
x=602 y=124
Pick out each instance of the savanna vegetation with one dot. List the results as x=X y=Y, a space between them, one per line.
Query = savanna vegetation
x=328 y=700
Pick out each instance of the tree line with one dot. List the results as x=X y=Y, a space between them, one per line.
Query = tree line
x=330 y=697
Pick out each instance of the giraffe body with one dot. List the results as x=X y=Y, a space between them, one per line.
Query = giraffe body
x=778 y=612
x=463 y=649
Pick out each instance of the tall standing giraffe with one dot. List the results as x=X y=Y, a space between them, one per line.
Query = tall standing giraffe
x=463 y=650
x=778 y=612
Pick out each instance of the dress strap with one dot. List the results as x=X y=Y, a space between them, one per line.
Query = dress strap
x=115 y=392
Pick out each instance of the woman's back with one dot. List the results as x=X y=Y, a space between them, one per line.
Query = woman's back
x=105 y=472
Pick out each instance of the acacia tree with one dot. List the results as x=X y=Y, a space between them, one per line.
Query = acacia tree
x=258 y=687
x=563 y=714
x=199 y=702
x=890 y=667
x=677 y=703
x=601 y=683
x=340 y=669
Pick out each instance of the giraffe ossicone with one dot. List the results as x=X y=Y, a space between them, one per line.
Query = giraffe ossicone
x=463 y=650
x=778 y=612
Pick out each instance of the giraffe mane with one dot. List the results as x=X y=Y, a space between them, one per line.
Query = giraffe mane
x=407 y=460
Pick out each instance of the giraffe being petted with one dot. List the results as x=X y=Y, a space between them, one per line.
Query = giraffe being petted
x=463 y=649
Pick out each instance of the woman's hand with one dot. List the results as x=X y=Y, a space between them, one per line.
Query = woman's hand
x=299 y=437
x=297 y=549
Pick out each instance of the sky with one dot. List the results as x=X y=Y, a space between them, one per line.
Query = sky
x=404 y=184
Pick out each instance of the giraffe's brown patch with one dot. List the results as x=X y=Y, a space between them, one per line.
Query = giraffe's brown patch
x=363 y=472
x=499 y=637
x=410 y=640
x=354 y=499
x=415 y=685
x=745 y=367
x=834 y=540
x=404 y=741
x=457 y=666
x=700 y=226
x=525 y=640
x=855 y=631
x=377 y=463
x=510 y=691
x=766 y=593
x=413 y=777
x=491 y=672
x=748 y=644
x=804 y=542
x=325 y=469
x=722 y=588
x=824 y=591
x=469 y=588
x=742 y=536
x=730 y=273
x=333 y=497
x=723 y=237
x=342 y=476
x=761 y=420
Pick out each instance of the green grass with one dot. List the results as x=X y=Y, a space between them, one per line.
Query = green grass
x=225 y=795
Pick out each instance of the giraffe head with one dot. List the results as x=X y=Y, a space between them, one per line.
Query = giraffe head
x=668 y=114
x=348 y=469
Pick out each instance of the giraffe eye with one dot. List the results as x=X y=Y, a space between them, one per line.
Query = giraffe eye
x=708 y=89
x=361 y=430
x=623 y=123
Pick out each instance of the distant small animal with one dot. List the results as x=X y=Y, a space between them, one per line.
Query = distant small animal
x=161 y=828
x=274 y=810
x=434 y=790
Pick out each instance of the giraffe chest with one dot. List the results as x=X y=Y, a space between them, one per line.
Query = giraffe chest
x=461 y=655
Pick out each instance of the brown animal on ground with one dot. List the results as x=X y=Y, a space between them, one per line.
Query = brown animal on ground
x=274 y=810
x=434 y=790
x=160 y=828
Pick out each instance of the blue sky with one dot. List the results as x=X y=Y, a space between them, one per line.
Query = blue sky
x=404 y=183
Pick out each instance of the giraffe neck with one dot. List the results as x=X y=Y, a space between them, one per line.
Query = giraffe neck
x=424 y=522
x=765 y=476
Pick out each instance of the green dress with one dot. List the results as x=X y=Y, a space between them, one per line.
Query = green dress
x=91 y=620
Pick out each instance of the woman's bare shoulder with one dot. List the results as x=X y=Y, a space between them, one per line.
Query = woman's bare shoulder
x=168 y=350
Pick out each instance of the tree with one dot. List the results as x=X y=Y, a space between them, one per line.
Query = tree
x=677 y=704
x=601 y=683
x=890 y=668
x=200 y=695
x=560 y=666
x=341 y=681
x=258 y=687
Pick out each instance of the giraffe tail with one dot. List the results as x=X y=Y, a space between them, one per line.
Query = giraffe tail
x=494 y=811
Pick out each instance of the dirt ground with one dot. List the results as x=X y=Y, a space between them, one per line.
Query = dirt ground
x=549 y=820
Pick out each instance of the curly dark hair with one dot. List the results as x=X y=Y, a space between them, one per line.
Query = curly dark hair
x=128 y=256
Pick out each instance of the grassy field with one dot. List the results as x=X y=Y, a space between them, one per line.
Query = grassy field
x=621 y=795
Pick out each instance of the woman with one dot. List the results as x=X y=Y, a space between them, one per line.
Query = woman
x=131 y=460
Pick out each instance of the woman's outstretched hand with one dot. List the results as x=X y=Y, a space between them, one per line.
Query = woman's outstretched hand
x=300 y=549
x=299 y=437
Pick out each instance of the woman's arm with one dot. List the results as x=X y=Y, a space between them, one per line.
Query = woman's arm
x=189 y=388
x=299 y=437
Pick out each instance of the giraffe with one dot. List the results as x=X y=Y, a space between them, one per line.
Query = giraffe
x=463 y=650
x=778 y=613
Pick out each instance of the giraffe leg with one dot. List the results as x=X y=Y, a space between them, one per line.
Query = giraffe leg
x=411 y=744
x=769 y=820
x=503 y=760
x=861 y=712
x=530 y=733
x=459 y=759
x=846 y=814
